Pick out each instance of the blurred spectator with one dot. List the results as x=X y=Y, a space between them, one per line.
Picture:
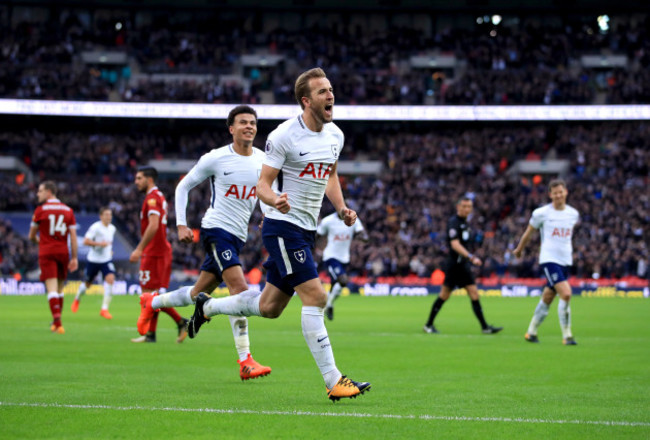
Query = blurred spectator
x=405 y=208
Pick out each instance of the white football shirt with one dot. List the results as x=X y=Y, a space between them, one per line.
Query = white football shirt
x=556 y=230
x=233 y=181
x=305 y=159
x=99 y=232
x=339 y=237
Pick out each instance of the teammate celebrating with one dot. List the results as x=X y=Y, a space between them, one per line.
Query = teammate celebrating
x=53 y=221
x=336 y=255
x=555 y=222
x=100 y=239
x=233 y=171
x=458 y=272
x=305 y=150
x=154 y=251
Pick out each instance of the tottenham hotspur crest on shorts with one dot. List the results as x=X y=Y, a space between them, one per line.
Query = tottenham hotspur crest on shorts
x=300 y=256
x=227 y=254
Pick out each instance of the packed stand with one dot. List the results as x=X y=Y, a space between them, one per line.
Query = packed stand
x=406 y=208
x=17 y=254
x=527 y=62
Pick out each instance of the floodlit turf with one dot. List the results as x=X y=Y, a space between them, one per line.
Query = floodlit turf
x=93 y=382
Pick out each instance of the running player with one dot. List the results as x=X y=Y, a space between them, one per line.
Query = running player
x=336 y=254
x=555 y=222
x=301 y=159
x=233 y=171
x=100 y=259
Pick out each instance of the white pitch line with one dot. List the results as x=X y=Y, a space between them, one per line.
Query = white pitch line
x=332 y=414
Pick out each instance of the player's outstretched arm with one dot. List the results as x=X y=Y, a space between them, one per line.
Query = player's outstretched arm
x=525 y=239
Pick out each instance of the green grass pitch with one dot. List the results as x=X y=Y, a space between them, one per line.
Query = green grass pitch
x=94 y=383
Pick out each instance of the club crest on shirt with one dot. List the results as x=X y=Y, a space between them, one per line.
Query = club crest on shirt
x=300 y=256
x=151 y=202
x=335 y=150
x=227 y=255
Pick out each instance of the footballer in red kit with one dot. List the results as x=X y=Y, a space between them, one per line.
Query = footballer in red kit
x=51 y=225
x=156 y=260
x=154 y=251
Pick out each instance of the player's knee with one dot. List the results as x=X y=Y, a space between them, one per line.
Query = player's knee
x=270 y=311
x=321 y=301
x=343 y=280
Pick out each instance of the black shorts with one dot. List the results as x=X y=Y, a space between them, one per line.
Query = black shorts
x=458 y=275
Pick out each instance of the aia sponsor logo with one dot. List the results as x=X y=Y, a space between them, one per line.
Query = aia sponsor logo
x=241 y=193
x=561 y=232
x=317 y=170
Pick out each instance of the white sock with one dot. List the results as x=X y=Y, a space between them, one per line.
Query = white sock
x=81 y=291
x=333 y=294
x=246 y=303
x=541 y=311
x=315 y=333
x=239 y=326
x=564 y=313
x=176 y=298
x=108 y=295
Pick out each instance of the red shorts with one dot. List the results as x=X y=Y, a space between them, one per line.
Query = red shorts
x=53 y=266
x=155 y=272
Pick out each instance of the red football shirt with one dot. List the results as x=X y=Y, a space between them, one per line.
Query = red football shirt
x=155 y=203
x=54 y=220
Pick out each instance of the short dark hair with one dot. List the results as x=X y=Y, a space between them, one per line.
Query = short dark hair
x=240 y=109
x=556 y=182
x=103 y=209
x=463 y=199
x=301 y=88
x=50 y=186
x=148 y=171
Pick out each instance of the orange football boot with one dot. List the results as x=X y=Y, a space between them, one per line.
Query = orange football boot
x=347 y=388
x=250 y=369
x=146 y=312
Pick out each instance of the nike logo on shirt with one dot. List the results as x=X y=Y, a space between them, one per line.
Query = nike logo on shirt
x=302 y=154
x=227 y=174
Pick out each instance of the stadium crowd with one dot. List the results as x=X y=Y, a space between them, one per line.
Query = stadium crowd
x=406 y=207
x=529 y=61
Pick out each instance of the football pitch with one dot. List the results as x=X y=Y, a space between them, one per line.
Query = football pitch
x=92 y=382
